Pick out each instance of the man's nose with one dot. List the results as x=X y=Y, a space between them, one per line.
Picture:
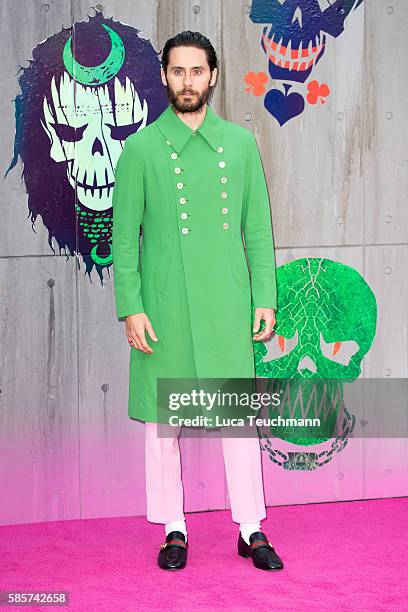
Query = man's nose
x=187 y=81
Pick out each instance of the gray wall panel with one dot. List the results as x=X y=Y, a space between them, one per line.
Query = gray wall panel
x=112 y=450
x=386 y=272
x=385 y=128
x=39 y=466
x=313 y=162
x=22 y=26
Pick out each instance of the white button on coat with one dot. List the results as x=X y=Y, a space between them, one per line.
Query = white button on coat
x=220 y=149
x=224 y=211
x=177 y=170
x=225 y=226
x=182 y=200
x=224 y=179
x=180 y=185
x=221 y=164
x=224 y=195
x=185 y=230
x=183 y=215
x=174 y=156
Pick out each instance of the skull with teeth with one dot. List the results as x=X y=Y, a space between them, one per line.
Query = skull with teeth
x=325 y=324
x=294 y=43
x=86 y=90
x=87 y=135
x=296 y=39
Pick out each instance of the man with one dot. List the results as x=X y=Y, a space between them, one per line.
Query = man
x=195 y=184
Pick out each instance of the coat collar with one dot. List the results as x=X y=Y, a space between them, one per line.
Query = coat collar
x=178 y=133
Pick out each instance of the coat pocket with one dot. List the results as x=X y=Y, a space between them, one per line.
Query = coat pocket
x=239 y=266
x=162 y=267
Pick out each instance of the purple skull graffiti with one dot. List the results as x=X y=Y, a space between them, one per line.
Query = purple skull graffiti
x=294 y=42
x=86 y=90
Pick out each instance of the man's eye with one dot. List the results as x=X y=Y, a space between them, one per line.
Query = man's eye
x=68 y=132
x=121 y=132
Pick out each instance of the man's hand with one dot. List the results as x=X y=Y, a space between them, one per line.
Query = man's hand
x=268 y=315
x=135 y=331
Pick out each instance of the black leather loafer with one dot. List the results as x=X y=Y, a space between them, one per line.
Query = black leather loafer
x=260 y=550
x=173 y=552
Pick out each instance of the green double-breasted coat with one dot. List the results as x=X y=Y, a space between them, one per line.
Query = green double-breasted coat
x=195 y=194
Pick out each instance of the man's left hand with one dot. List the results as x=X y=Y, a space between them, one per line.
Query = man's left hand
x=268 y=315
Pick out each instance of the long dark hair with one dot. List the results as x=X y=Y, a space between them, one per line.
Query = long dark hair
x=187 y=38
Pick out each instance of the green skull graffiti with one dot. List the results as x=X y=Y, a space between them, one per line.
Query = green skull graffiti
x=325 y=324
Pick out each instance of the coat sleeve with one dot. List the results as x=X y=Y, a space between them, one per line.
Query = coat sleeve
x=128 y=201
x=257 y=229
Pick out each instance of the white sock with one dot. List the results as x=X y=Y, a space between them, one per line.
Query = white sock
x=247 y=528
x=176 y=526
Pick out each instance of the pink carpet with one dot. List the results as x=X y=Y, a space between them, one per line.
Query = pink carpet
x=338 y=556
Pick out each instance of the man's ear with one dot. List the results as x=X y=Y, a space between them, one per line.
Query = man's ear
x=163 y=76
x=213 y=77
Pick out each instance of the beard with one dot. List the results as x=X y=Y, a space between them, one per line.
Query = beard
x=188 y=105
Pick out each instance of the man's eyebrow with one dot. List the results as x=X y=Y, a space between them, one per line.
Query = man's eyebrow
x=182 y=67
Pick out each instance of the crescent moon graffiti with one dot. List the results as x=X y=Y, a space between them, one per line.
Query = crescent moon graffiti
x=103 y=261
x=96 y=75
